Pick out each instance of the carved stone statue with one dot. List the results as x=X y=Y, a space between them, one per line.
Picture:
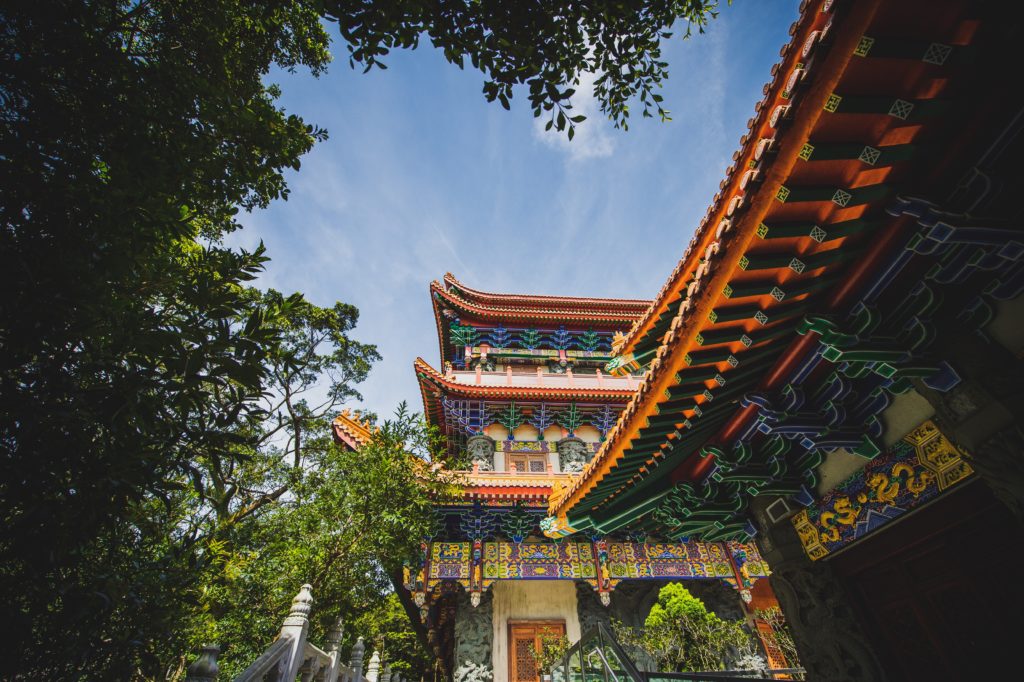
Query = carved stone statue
x=481 y=451
x=573 y=454
x=473 y=630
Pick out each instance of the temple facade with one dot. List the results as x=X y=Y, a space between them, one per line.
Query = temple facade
x=524 y=399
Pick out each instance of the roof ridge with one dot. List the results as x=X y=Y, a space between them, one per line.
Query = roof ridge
x=450 y=279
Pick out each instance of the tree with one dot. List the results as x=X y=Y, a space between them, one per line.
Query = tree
x=546 y=47
x=680 y=634
x=358 y=515
x=131 y=133
x=135 y=365
x=388 y=627
x=313 y=359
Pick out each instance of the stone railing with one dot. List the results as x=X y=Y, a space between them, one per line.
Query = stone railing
x=292 y=656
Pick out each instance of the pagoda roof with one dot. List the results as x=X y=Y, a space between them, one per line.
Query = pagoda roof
x=851 y=117
x=601 y=313
x=351 y=430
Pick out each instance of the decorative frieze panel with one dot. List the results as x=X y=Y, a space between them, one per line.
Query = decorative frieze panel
x=449 y=561
x=475 y=566
x=537 y=561
x=637 y=560
x=909 y=474
x=529 y=339
x=471 y=417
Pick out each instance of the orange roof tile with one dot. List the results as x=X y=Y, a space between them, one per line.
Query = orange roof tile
x=351 y=429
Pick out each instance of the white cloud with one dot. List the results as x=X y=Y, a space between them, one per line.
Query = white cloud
x=593 y=138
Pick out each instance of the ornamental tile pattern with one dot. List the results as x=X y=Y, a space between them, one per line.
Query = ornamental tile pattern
x=912 y=472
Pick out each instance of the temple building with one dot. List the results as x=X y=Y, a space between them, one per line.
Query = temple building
x=523 y=397
x=826 y=392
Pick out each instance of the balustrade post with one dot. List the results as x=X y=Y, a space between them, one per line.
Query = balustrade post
x=357 y=660
x=385 y=675
x=373 y=669
x=296 y=629
x=334 y=636
x=204 y=668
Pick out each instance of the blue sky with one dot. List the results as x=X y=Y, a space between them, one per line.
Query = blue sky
x=421 y=176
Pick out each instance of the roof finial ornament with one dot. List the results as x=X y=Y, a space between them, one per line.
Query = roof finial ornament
x=618 y=340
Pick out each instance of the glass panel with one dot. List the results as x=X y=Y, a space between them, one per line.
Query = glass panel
x=616 y=671
x=575 y=669
x=558 y=673
x=592 y=664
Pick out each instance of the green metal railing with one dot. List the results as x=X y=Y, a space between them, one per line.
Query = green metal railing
x=598 y=657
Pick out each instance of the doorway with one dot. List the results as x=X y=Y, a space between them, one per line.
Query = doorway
x=524 y=640
x=935 y=592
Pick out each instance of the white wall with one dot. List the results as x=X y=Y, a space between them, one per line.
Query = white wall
x=553 y=434
x=526 y=432
x=530 y=600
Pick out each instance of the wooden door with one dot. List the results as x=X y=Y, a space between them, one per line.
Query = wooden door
x=524 y=638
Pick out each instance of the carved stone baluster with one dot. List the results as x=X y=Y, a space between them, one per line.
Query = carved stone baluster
x=373 y=668
x=310 y=667
x=296 y=629
x=357 y=660
x=334 y=635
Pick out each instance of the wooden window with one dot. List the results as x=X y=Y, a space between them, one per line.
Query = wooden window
x=537 y=464
x=524 y=638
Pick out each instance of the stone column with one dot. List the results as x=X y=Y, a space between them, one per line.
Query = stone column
x=296 y=629
x=473 y=626
x=829 y=638
x=334 y=636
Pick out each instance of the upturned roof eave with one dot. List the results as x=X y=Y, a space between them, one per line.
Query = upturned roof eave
x=679 y=338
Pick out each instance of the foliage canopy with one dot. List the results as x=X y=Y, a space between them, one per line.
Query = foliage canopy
x=158 y=421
